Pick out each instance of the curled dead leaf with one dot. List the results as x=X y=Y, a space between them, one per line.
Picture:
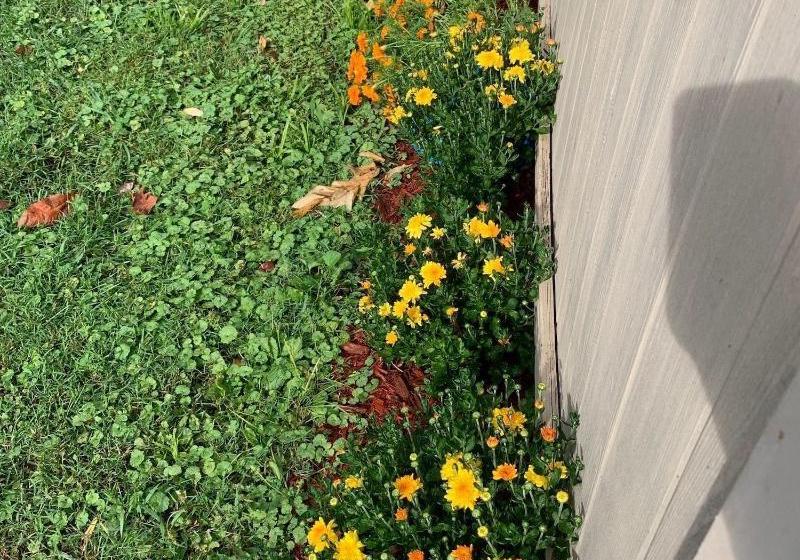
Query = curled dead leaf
x=394 y=171
x=45 y=211
x=23 y=50
x=143 y=202
x=193 y=112
x=87 y=534
x=4 y=204
x=267 y=266
x=127 y=187
x=373 y=156
x=338 y=193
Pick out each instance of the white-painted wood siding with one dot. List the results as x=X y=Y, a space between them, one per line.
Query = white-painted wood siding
x=676 y=192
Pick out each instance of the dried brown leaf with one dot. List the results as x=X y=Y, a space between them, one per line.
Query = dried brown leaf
x=23 y=50
x=127 y=187
x=45 y=211
x=394 y=171
x=338 y=193
x=373 y=156
x=5 y=204
x=87 y=534
x=267 y=266
x=143 y=202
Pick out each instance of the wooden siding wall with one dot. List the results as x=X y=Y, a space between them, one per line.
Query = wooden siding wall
x=676 y=195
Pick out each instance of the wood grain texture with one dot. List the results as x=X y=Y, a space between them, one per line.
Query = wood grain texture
x=546 y=358
x=677 y=216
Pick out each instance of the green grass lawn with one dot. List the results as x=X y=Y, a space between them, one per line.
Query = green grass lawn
x=156 y=387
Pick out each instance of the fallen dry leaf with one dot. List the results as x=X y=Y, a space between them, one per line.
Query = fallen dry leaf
x=267 y=266
x=394 y=171
x=45 y=211
x=262 y=43
x=23 y=50
x=193 y=112
x=338 y=193
x=143 y=202
x=5 y=204
x=126 y=187
x=87 y=534
x=373 y=156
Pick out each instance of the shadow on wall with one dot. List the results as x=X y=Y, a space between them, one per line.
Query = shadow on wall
x=734 y=292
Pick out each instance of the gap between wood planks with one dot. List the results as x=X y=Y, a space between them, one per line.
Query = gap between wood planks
x=546 y=347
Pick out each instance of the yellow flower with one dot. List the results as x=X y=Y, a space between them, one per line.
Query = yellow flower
x=538 y=480
x=450 y=311
x=562 y=497
x=365 y=303
x=432 y=273
x=409 y=249
x=334 y=502
x=489 y=230
x=349 y=547
x=458 y=262
x=424 y=96
x=561 y=467
x=407 y=486
x=515 y=73
x=475 y=227
x=520 y=51
x=492 y=266
x=396 y=114
x=321 y=535
x=399 y=308
x=451 y=465
x=506 y=471
x=509 y=418
x=353 y=482
x=401 y=515
x=495 y=41
x=411 y=291
x=489 y=59
x=491 y=90
x=484 y=314
x=477 y=19
x=437 y=233
x=392 y=338
x=417 y=224
x=385 y=309
x=366 y=284
x=506 y=100
x=462 y=492
x=483 y=531
x=415 y=316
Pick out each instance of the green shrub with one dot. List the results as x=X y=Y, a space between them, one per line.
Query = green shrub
x=482 y=479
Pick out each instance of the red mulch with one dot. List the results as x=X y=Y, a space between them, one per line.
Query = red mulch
x=389 y=200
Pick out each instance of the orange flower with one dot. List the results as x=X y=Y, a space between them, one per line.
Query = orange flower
x=462 y=552
x=357 y=68
x=390 y=93
x=416 y=555
x=379 y=55
x=548 y=434
x=354 y=95
x=421 y=32
x=407 y=486
x=370 y=93
x=492 y=442
x=401 y=514
x=506 y=471
x=384 y=32
x=507 y=241
x=362 y=42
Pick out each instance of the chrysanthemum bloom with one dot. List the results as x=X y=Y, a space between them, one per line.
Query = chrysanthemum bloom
x=353 y=482
x=369 y=92
x=321 y=535
x=362 y=42
x=458 y=262
x=515 y=73
x=365 y=303
x=416 y=555
x=365 y=284
x=417 y=224
x=432 y=274
x=450 y=311
x=411 y=291
x=477 y=19
x=538 y=480
x=506 y=100
x=562 y=497
x=483 y=531
x=385 y=309
x=474 y=227
x=407 y=486
x=415 y=316
x=509 y=418
x=492 y=442
x=354 y=95
x=392 y=337
x=507 y=241
x=491 y=90
x=482 y=206
x=427 y=251
x=462 y=552
x=561 y=467
x=437 y=233
x=548 y=434
x=349 y=547
x=506 y=471
x=520 y=52
x=357 y=68
x=538 y=404
x=401 y=515
x=493 y=266
x=399 y=309
x=489 y=230
x=489 y=59
x=461 y=490
x=452 y=463
x=379 y=54
x=409 y=249
x=396 y=114
x=424 y=96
